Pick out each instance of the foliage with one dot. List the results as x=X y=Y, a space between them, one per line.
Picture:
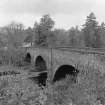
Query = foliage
x=91 y=32
x=12 y=56
x=18 y=90
x=102 y=34
x=30 y=34
x=61 y=37
x=75 y=37
x=43 y=33
x=43 y=30
x=13 y=34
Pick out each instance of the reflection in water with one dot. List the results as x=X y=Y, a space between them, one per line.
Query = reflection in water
x=28 y=58
x=40 y=79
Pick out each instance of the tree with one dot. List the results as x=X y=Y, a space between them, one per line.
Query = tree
x=46 y=23
x=29 y=38
x=72 y=36
x=13 y=26
x=102 y=34
x=91 y=32
x=15 y=34
x=61 y=37
x=43 y=30
x=75 y=37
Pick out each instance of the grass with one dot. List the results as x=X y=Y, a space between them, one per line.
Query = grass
x=89 y=90
x=16 y=90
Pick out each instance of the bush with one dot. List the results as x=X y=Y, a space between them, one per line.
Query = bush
x=12 y=56
x=18 y=90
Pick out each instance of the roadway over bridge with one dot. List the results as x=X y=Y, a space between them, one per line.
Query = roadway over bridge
x=61 y=60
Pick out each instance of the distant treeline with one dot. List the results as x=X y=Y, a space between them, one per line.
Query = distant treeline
x=43 y=33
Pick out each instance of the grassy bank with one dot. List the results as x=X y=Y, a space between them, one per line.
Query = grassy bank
x=88 y=90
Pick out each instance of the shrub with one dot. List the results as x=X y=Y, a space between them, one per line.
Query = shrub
x=12 y=56
x=18 y=90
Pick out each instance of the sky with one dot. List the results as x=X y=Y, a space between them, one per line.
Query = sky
x=65 y=13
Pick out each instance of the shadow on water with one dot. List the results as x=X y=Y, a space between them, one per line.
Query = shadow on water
x=28 y=58
x=40 y=79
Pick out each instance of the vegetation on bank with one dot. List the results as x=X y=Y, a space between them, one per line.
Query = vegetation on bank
x=12 y=56
x=89 y=89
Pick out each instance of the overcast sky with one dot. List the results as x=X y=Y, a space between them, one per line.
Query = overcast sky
x=65 y=13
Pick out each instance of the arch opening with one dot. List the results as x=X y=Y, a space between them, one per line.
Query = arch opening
x=28 y=58
x=40 y=64
x=65 y=70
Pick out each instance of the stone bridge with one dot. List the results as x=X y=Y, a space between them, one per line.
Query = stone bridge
x=59 y=61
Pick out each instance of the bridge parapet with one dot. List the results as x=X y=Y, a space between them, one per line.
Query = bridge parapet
x=84 y=50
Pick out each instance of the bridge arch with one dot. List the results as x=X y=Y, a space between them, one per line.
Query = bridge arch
x=40 y=63
x=27 y=58
x=65 y=70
